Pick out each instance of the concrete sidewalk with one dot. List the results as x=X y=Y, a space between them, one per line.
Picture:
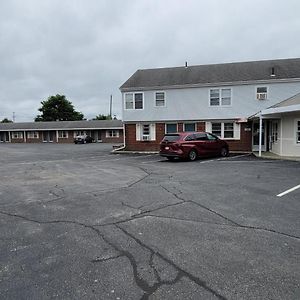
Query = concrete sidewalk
x=270 y=155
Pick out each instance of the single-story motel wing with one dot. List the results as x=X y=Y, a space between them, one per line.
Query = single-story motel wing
x=107 y=131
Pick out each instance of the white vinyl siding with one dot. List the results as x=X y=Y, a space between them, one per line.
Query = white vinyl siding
x=227 y=130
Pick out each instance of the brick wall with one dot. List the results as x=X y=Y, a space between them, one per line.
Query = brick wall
x=117 y=140
x=244 y=144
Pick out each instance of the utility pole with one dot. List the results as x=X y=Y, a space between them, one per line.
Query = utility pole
x=110 y=106
x=14 y=117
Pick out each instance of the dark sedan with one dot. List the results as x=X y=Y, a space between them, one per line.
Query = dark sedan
x=83 y=139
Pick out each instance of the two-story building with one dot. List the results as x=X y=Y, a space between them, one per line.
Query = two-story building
x=220 y=98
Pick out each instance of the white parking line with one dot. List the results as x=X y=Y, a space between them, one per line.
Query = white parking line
x=289 y=190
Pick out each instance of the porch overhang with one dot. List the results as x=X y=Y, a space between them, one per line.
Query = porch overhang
x=280 y=110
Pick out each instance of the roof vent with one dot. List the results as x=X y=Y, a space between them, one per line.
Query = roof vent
x=273 y=72
x=186 y=64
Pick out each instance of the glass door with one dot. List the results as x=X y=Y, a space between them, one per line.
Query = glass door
x=255 y=136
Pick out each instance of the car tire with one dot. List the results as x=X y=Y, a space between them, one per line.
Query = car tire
x=224 y=152
x=192 y=155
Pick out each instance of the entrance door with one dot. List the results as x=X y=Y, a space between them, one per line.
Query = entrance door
x=48 y=136
x=4 y=137
x=255 y=136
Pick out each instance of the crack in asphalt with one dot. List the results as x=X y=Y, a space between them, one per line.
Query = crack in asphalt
x=149 y=290
x=100 y=260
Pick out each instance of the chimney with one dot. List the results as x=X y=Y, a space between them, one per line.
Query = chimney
x=186 y=64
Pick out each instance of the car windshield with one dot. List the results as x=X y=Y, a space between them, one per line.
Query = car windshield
x=171 y=138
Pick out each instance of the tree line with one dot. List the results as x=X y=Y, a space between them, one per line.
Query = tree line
x=58 y=108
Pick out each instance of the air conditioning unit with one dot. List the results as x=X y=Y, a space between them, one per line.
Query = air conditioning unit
x=261 y=96
x=146 y=138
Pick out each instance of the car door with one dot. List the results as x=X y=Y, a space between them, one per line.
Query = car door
x=202 y=146
x=213 y=144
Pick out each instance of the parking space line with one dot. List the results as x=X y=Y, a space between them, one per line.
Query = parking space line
x=289 y=191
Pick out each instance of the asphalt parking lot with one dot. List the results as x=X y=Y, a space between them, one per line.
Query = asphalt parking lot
x=79 y=223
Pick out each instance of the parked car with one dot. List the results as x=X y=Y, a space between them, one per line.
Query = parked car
x=191 y=145
x=83 y=139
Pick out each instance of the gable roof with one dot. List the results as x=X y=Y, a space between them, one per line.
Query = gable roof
x=214 y=73
x=295 y=100
x=63 y=125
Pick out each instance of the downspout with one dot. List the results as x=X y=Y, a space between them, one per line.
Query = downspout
x=260 y=134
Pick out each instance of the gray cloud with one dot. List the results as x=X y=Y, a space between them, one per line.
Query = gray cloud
x=87 y=49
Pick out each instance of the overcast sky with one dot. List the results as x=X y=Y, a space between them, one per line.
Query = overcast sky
x=85 y=49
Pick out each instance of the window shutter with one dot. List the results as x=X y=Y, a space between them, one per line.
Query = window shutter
x=152 y=132
x=138 y=132
x=208 y=126
x=237 y=131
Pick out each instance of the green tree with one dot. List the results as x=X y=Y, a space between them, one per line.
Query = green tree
x=102 y=117
x=5 y=120
x=58 y=108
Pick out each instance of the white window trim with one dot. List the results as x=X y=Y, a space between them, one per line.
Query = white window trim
x=171 y=123
x=236 y=129
x=63 y=137
x=20 y=135
x=112 y=136
x=261 y=86
x=272 y=131
x=29 y=136
x=165 y=102
x=189 y=123
x=139 y=131
x=220 y=96
x=296 y=130
x=133 y=93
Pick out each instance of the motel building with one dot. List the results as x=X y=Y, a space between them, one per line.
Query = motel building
x=106 y=131
x=254 y=106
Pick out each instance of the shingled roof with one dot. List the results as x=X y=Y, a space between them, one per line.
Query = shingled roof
x=214 y=73
x=63 y=125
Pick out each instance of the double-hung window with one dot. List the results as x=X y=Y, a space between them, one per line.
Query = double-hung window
x=220 y=97
x=62 y=134
x=112 y=133
x=298 y=132
x=17 y=135
x=274 y=131
x=224 y=130
x=33 y=134
x=160 y=99
x=134 y=100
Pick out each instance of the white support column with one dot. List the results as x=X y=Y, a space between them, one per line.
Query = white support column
x=24 y=137
x=260 y=135
x=56 y=134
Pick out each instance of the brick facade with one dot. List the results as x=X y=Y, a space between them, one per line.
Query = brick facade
x=244 y=144
x=70 y=139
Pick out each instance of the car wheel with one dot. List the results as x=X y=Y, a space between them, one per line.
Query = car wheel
x=192 y=155
x=224 y=152
x=170 y=158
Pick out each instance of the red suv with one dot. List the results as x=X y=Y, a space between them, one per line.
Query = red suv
x=192 y=145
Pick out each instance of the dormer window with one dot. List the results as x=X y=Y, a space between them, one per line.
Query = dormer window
x=262 y=93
